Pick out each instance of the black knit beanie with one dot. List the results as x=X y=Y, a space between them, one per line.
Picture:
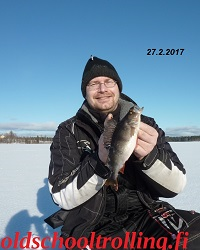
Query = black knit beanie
x=97 y=67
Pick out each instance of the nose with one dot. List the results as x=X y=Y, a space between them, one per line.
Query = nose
x=102 y=87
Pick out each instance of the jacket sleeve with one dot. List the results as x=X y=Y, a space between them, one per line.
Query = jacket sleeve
x=161 y=171
x=73 y=177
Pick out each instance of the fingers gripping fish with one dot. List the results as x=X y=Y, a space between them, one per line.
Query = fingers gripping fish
x=120 y=138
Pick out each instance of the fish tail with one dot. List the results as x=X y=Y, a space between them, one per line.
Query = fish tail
x=113 y=183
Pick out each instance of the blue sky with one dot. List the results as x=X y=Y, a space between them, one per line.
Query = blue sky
x=45 y=45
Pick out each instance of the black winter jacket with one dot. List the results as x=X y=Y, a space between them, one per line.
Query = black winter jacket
x=77 y=176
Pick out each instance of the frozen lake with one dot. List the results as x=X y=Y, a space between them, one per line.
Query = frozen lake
x=25 y=200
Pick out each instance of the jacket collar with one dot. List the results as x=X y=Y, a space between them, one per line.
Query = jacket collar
x=125 y=103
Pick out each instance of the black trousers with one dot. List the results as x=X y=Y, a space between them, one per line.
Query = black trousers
x=150 y=235
x=187 y=239
x=193 y=220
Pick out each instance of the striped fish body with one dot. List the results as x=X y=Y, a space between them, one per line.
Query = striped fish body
x=123 y=142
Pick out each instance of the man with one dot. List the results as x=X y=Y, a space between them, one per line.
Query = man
x=128 y=217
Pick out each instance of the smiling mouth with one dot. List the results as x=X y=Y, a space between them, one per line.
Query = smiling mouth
x=103 y=97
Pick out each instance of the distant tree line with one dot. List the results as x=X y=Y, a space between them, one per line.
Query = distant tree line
x=13 y=138
x=183 y=138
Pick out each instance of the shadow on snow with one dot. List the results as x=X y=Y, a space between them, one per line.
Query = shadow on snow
x=22 y=222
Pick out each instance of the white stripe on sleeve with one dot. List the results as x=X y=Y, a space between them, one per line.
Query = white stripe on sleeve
x=172 y=179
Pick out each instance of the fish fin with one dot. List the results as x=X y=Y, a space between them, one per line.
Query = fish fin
x=108 y=132
x=113 y=183
x=122 y=169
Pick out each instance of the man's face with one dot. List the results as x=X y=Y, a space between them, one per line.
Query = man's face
x=101 y=98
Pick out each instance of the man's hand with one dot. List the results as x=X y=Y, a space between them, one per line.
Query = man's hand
x=146 y=141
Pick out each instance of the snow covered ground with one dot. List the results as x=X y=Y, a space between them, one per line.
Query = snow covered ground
x=24 y=196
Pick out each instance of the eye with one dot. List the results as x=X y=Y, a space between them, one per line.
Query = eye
x=92 y=84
